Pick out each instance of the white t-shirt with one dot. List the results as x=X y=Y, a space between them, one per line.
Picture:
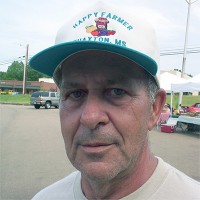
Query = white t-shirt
x=166 y=183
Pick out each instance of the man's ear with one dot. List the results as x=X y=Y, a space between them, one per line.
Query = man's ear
x=156 y=108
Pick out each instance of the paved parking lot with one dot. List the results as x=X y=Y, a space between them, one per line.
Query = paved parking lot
x=33 y=155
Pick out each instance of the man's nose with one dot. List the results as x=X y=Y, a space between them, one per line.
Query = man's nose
x=94 y=113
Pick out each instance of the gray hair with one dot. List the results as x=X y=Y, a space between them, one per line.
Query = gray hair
x=152 y=88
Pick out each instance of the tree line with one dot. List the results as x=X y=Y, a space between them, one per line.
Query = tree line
x=16 y=72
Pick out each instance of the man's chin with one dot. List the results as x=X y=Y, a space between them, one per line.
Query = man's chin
x=99 y=171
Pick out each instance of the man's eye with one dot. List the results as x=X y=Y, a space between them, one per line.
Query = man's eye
x=77 y=94
x=116 y=92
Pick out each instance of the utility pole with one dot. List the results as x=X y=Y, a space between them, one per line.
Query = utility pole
x=25 y=70
x=189 y=2
x=186 y=39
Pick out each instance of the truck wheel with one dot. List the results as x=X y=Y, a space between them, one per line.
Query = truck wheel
x=37 y=106
x=48 y=105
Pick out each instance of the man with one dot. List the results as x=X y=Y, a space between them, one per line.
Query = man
x=105 y=64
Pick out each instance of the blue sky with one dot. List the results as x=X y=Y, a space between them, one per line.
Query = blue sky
x=36 y=23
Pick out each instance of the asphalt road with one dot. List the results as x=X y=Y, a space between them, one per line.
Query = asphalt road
x=33 y=154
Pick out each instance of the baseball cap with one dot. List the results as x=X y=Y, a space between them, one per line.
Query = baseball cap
x=104 y=27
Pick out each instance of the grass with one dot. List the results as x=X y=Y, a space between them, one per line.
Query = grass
x=25 y=99
x=187 y=100
x=15 y=99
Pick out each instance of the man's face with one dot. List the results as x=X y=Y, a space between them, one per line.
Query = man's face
x=104 y=114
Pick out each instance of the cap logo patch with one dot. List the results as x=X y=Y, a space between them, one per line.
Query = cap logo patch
x=97 y=27
x=101 y=28
x=102 y=16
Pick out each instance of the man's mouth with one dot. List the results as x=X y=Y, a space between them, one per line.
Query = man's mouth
x=96 y=147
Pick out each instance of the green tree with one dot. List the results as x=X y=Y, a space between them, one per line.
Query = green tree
x=3 y=76
x=16 y=72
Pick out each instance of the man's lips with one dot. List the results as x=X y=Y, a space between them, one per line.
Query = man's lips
x=96 y=147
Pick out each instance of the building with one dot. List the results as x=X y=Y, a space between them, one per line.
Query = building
x=31 y=86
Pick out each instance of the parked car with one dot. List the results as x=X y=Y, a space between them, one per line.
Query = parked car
x=45 y=98
x=3 y=92
x=194 y=108
x=15 y=93
x=10 y=91
x=6 y=91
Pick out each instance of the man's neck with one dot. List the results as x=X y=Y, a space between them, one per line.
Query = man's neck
x=123 y=186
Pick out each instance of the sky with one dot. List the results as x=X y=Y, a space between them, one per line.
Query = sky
x=36 y=23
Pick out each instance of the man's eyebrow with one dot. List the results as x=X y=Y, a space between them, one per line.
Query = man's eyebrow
x=120 y=80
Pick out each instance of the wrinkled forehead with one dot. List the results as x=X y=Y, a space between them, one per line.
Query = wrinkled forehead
x=102 y=63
